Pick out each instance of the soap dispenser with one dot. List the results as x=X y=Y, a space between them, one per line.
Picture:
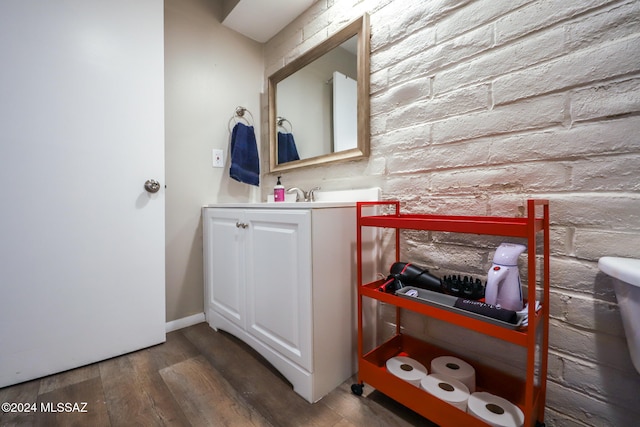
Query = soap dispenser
x=278 y=192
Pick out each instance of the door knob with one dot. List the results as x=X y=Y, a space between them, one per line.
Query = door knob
x=152 y=186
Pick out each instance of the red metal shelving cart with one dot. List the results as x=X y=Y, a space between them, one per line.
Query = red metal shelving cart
x=528 y=394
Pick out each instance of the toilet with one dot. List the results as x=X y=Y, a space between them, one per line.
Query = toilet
x=626 y=284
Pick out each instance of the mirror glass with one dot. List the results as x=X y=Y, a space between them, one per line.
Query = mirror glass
x=319 y=103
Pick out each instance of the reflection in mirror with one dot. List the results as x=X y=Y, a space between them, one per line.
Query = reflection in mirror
x=319 y=103
x=321 y=99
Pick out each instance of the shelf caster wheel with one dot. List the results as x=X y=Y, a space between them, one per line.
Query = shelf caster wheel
x=539 y=424
x=357 y=389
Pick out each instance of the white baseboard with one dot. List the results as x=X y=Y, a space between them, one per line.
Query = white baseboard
x=184 y=322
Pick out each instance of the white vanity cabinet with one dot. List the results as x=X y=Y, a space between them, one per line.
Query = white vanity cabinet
x=282 y=280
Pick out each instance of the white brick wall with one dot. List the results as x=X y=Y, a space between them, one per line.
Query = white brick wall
x=477 y=106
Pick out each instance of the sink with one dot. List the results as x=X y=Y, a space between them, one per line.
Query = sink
x=357 y=195
x=303 y=205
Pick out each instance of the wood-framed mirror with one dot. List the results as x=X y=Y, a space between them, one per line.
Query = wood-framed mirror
x=319 y=102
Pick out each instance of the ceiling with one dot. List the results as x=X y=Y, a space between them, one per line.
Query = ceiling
x=262 y=19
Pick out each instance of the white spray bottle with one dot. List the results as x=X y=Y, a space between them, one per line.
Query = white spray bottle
x=503 y=281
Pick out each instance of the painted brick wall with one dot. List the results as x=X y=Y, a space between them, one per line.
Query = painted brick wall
x=477 y=106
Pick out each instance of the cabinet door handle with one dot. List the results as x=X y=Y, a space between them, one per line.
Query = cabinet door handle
x=241 y=225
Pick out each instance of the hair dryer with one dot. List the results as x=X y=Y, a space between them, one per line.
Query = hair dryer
x=407 y=274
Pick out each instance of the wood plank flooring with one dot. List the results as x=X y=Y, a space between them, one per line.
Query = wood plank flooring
x=199 y=377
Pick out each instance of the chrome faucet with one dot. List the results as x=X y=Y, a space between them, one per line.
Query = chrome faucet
x=298 y=193
x=311 y=194
x=307 y=196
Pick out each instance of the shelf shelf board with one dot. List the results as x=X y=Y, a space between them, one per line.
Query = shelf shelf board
x=518 y=337
x=372 y=368
x=499 y=226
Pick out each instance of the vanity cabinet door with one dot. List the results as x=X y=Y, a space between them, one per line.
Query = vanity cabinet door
x=224 y=264
x=278 y=293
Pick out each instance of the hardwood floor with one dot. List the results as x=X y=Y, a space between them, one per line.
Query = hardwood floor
x=199 y=377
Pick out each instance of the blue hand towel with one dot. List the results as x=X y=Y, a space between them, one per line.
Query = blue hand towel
x=287 y=150
x=245 y=164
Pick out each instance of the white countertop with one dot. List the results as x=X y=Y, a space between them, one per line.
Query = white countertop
x=282 y=205
x=325 y=199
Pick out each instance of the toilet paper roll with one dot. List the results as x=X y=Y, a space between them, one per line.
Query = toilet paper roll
x=494 y=410
x=455 y=368
x=407 y=369
x=447 y=389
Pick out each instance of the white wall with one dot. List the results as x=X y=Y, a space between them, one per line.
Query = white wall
x=209 y=71
x=479 y=105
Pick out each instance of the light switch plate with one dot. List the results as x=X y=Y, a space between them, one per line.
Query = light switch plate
x=218 y=158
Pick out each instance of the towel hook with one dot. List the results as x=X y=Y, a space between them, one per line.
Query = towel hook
x=239 y=113
x=280 y=121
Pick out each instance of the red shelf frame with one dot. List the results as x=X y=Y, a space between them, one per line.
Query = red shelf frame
x=527 y=395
